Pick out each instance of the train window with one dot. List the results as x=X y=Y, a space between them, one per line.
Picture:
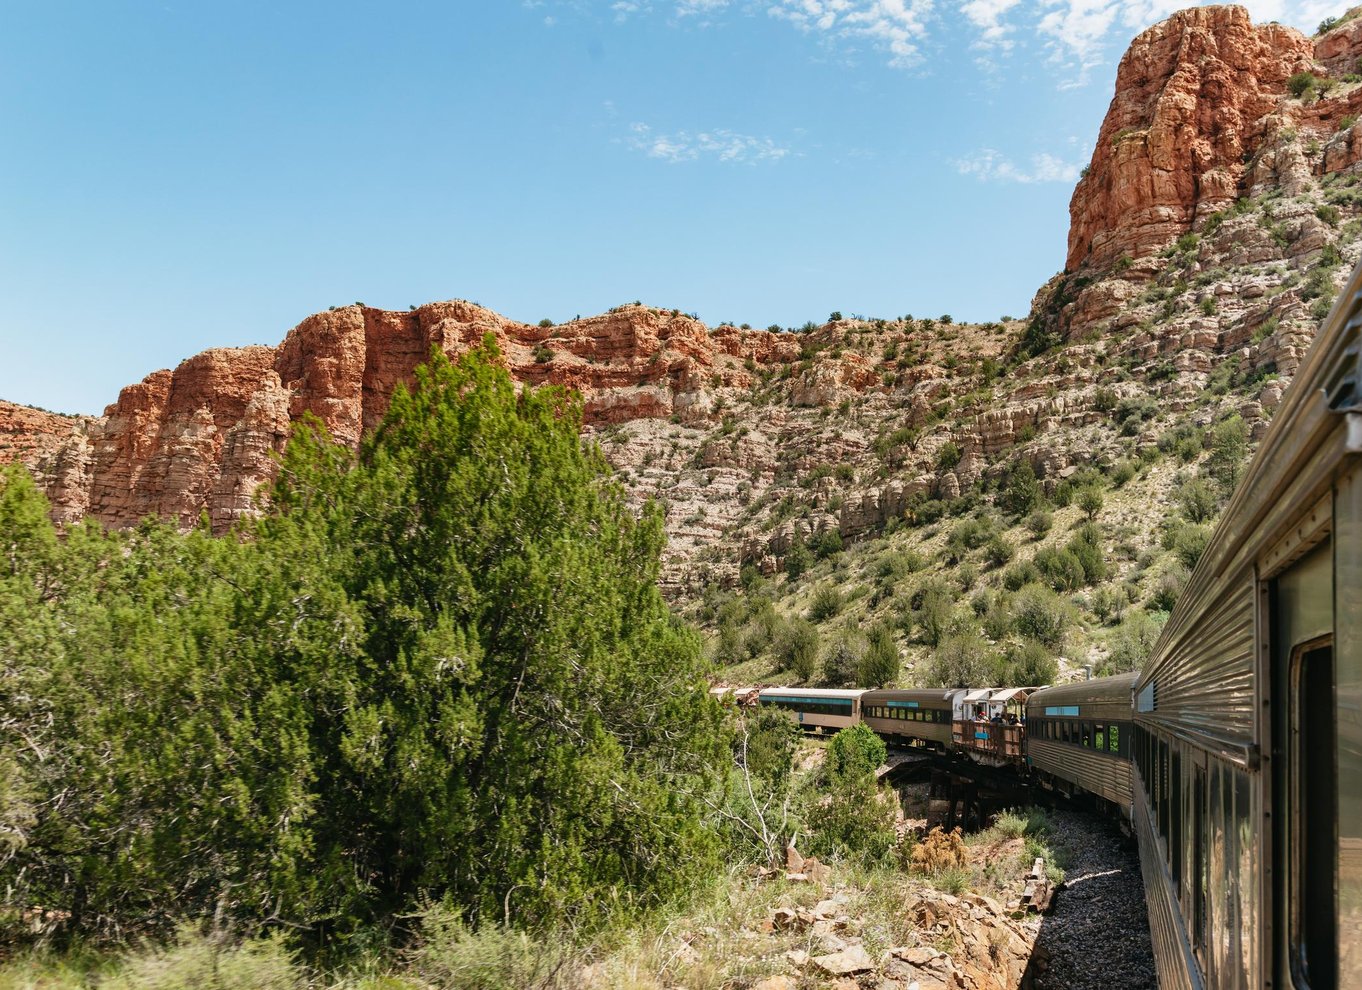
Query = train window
x=1312 y=846
x=1087 y=734
x=1114 y=739
x=1099 y=735
x=1200 y=842
x=1175 y=836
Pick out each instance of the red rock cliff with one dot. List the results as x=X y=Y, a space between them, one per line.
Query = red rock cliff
x=202 y=438
x=1194 y=101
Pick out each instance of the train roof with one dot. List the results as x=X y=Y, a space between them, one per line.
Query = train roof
x=938 y=695
x=1287 y=478
x=996 y=694
x=812 y=692
x=1099 y=689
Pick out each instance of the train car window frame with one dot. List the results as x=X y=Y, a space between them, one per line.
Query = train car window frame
x=1311 y=846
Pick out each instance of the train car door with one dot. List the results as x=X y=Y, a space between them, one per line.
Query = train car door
x=1305 y=778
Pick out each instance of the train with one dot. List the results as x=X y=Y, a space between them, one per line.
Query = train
x=1235 y=752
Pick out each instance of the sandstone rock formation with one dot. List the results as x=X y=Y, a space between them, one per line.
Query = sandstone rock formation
x=1200 y=105
x=203 y=438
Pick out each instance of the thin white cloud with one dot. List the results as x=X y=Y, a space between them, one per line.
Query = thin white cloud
x=989 y=165
x=895 y=27
x=719 y=145
x=1075 y=36
x=986 y=16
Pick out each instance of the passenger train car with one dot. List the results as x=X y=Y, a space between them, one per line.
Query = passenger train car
x=1079 y=736
x=1248 y=717
x=922 y=716
x=815 y=708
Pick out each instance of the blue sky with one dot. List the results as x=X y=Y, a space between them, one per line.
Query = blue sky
x=177 y=176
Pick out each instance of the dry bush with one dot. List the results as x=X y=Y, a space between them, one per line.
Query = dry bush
x=940 y=851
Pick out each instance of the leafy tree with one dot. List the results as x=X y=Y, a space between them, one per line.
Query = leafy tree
x=1029 y=663
x=827 y=602
x=933 y=607
x=798 y=558
x=855 y=752
x=1133 y=642
x=1198 y=500
x=948 y=456
x=439 y=668
x=1229 y=452
x=854 y=819
x=1023 y=494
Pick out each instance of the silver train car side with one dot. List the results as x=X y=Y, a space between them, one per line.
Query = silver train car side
x=922 y=716
x=815 y=708
x=1247 y=798
x=1079 y=737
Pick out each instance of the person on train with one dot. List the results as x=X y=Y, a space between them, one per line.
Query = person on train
x=997 y=718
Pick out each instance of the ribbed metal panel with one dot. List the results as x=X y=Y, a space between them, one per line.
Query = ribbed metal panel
x=1102 y=774
x=1203 y=678
x=934 y=731
x=1171 y=956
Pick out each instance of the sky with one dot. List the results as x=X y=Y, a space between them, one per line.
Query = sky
x=176 y=176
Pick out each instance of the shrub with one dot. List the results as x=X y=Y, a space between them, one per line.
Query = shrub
x=880 y=665
x=545 y=323
x=842 y=658
x=1020 y=575
x=948 y=456
x=940 y=851
x=542 y=354
x=1060 y=568
x=1189 y=543
x=195 y=960
x=997 y=618
x=1168 y=588
x=1133 y=642
x=899 y=564
x=961 y=660
x=1042 y=615
x=798 y=559
x=797 y=647
x=1108 y=603
x=998 y=550
x=1198 y=500
x=827 y=602
x=1090 y=502
x=967 y=535
x=1301 y=83
x=1039 y=523
x=450 y=955
x=932 y=608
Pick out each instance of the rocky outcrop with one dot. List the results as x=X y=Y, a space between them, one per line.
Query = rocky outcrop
x=1195 y=96
x=204 y=437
